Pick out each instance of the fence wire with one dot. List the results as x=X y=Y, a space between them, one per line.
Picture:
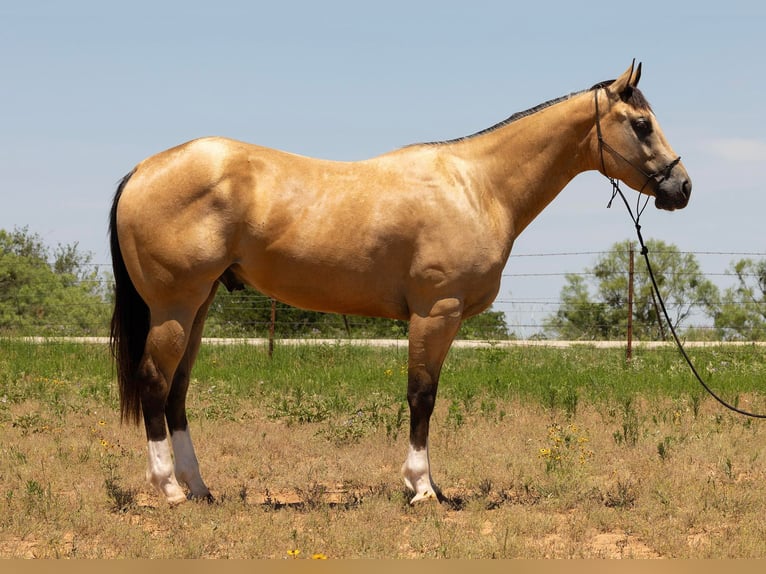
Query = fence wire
x=530 y=294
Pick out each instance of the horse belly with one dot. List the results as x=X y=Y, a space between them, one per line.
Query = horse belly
x=325 y=285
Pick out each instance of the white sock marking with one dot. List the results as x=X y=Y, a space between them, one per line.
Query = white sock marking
x=417 y=474
x=160 y=472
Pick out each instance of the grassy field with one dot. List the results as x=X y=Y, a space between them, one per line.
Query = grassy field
x=539 y=452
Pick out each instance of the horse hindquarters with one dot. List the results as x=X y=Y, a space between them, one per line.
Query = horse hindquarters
x=149 y=342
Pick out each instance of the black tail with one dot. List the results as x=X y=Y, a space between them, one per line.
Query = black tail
x=130 y=322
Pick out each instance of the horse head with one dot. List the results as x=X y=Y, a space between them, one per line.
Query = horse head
x=632 y=146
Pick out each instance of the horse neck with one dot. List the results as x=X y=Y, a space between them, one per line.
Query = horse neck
x=526 y=163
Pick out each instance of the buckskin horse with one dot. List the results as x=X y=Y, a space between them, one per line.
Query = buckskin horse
x=420 y=234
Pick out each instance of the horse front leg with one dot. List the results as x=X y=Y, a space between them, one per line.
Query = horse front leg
x=431 y=335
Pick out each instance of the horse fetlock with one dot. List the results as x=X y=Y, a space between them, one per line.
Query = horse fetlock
x=160 y=472
x=416 y=472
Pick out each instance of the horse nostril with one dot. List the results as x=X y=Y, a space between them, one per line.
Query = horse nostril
x=686 y=188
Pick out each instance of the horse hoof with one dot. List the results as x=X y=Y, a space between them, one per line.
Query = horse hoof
x=423 y=497
x=176 y=500
x=209 y=498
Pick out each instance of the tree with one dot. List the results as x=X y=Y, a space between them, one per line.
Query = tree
x=46 y=292
x=679 y=278
x=741 y=313
x=578 y=317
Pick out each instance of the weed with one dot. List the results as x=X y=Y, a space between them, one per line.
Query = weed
x=696 y=399
x=663 y=448
x=299 y=407
x=313 y=496
x=38 y=499
x=485 y=487
x=394 y=423
x=564 y=395
x=349 y=431
x=630 y=430
x=493 y=355
x=565 y=446
x=364 y=421
x=30 y=423
x=18 y=456
x=569 y=401
x=621 y=495
x=121 y=499
x=34 y=490
x=455 y=415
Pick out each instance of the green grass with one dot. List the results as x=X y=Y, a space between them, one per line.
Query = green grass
x=345 y=375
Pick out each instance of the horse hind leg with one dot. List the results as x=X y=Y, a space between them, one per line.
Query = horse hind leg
x=186 y=464
x=431 y=335
x=166 y=343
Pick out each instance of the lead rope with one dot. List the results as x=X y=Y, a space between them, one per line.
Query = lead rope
x=645 y=252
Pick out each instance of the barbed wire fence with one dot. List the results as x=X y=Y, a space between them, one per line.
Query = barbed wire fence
x=530 y=294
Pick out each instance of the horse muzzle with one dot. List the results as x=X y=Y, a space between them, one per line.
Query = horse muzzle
x=674 y=192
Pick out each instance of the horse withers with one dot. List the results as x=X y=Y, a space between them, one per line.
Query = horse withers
x=419 y=234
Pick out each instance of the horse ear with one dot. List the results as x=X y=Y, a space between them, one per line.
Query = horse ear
x=622 y=87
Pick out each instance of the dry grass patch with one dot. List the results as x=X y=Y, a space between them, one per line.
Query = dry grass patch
x=73 y=487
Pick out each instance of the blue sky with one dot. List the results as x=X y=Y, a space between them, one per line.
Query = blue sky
x=91 y=88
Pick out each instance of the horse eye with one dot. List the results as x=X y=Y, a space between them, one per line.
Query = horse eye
x=642 y=127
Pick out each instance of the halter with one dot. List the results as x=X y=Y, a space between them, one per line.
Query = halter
x=657 y=176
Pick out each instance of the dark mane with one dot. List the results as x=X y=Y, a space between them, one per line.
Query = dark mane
x=635 y=98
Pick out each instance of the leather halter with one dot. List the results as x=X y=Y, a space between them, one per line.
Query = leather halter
x=658 y=176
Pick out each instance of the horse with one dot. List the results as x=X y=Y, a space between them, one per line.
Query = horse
x=421 y=233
